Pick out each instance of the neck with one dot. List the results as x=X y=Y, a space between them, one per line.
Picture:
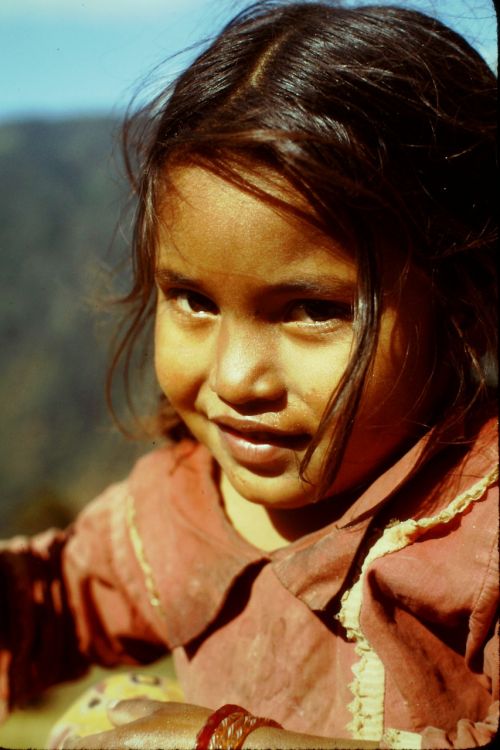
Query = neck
x=270 y=529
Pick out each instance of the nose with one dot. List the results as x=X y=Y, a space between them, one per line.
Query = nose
x=245 y=366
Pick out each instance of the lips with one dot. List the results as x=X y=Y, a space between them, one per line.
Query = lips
x=256 y=445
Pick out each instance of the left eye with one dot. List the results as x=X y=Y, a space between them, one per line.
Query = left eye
x=314 y=312
x=192 y=303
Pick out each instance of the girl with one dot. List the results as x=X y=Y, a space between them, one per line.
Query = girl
x=314 y=241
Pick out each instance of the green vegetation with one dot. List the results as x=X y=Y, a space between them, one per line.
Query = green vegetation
x=61 y=200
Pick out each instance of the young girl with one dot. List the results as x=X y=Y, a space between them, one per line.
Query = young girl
x=314 y=239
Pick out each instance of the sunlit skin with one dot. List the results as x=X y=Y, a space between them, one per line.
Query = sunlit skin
x=254 y=330
x=142 y=724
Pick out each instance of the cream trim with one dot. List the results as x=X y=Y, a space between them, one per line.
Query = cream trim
x=140 y=554
x=368 y=686
x=367 y=707
x=396 y=739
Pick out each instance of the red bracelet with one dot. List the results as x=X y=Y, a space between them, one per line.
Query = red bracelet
x=228 y=727
x=205 y=734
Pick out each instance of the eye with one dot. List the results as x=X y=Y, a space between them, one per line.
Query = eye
x=318 y=312
x=191 y=303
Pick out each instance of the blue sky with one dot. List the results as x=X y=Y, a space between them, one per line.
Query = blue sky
x=63 y=57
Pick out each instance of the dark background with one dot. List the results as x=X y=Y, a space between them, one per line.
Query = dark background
x=62 y=196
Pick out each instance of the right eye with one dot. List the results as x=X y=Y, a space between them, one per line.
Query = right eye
x=191 y=303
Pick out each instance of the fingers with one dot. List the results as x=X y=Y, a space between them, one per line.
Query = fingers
x=123 y=712
x=91 y=742
x=142 y=724
x=142 y=734
x=128 y=737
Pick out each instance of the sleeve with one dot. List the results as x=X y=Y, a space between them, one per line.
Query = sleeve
x=469 y=734
x=483 y=648
x=63 y=605
x=38 y=643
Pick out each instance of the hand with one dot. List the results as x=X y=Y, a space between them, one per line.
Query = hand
x=142 y=724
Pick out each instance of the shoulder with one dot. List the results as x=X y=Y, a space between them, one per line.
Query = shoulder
x=485 y=443
x=155 y=477
x=446 y=562
x=172 y=460
x=461 y=478
x=477 y=481
x=166 y=476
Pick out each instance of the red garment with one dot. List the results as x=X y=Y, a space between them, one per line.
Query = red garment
x=377 y=625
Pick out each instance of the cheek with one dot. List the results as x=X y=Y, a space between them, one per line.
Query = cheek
x=179 y=363
x=168 y=380
x=401 y=370
x=169 y=365
x=318 y=375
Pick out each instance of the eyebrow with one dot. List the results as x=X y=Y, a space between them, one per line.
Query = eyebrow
x=326 y=286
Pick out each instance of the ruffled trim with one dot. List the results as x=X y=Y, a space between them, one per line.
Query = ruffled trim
x=140 y=555
x=368 y=686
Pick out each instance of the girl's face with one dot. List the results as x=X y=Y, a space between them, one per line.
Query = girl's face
x=254 y=331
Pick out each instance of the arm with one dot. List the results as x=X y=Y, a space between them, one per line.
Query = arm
x=38 y=642
x=267 y=738
x=142 y=724
x=62 y=606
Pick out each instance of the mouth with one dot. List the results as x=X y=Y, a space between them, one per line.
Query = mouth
x=295 y=441
x=257 y=445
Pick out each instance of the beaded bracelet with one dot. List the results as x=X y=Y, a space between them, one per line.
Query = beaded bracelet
x=228 y=727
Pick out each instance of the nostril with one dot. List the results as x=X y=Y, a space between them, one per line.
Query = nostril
x=246 y=391
x=244 y=384
x=252 y=407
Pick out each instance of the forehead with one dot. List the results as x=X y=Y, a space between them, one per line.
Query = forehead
x=210 y=223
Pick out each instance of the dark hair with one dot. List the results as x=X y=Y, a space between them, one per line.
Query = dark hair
x=384 y=120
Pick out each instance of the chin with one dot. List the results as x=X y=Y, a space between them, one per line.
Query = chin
x=274 y=492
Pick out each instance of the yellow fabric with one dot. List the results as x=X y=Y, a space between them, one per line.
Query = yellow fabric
x=88 y=715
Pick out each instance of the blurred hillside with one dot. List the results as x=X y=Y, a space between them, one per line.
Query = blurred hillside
x=60 y=201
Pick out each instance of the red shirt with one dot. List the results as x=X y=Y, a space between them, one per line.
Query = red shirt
x=379 y=625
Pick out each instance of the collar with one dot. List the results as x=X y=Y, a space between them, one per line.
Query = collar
x=196 y=556
x=317 y=568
